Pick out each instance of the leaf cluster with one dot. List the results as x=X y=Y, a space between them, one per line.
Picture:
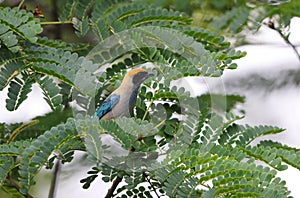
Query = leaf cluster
x=238 y=18
x=175 y=145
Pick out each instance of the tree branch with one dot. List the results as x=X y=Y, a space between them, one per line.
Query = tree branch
x=16 y=186
x=286 y=39
x=271 y=25
x=116 y=182
x=54 y=179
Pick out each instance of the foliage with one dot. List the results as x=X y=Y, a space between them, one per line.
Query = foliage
x=238 y=18
x=175 y=145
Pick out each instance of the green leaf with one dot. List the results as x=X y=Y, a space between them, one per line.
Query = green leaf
x=109 y=17
x=288 y=154
x=75 y=8
x=112 y=128
x=82 y=27
x=16 y=23
x=67 y=67
x=6 y=164
x=91 y=130
x=18 y=91
x=14 y=149
x=193 y=168
x=233 y=19
x=265 y=154
x=51 y=92
x=244 y=135
x=10 y=66
x=221 y=102
x=36 y=155
x=11 y=191
x=192 y=52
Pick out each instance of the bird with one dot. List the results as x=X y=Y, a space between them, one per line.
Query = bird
x=122 y=101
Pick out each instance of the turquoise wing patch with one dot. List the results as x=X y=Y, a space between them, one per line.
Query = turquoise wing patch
x=107 y=105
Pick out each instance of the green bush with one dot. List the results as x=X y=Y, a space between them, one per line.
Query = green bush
x=176 y=144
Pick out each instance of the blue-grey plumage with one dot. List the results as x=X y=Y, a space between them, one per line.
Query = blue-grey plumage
x=122 y=101
x=107 y=105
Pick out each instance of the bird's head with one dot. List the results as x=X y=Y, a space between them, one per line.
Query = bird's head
x=136 y=77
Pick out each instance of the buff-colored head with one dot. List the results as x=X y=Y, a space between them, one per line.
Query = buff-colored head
x=135 y=71
x=136 y=77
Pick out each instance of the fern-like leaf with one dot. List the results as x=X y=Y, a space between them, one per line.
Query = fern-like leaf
x=16 y=23
x=45 y=42
x=244 y=135
x=37 y=154
x=289 y=155
x=51 y=92
x=8 y=154
x=66 y=66
x=10 y=66
x=6 y=164
x=110 y=18
x=14 y=149
x=155 y=37
x=18 y=91
x=228 y=176
x=91 y=131
x=233 y=19
x=210 y=40
x=112 y=128
x=266 y=155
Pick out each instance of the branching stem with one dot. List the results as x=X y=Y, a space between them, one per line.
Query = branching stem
x=116 y=182
x=286 y=39
x=54 y=180
x=152 y=186
x=272 y=26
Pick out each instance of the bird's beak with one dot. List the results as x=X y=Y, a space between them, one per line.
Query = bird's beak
x=149 y=74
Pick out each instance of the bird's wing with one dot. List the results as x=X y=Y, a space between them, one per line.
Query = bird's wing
x=107 y=105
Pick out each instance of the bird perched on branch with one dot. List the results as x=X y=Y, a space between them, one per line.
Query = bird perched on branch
x=121 y=101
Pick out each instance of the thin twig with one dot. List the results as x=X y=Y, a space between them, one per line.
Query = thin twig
x=20 y=4
x=147 y=110
x=286 y=39
x=152 y=186
x=271 y=25
x=116 y=182
x=55 y=22
x=206 y=186
x=16 y=186
x=54 y=180
x=21 y=128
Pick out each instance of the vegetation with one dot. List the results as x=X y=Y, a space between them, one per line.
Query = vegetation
x=176 y=145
